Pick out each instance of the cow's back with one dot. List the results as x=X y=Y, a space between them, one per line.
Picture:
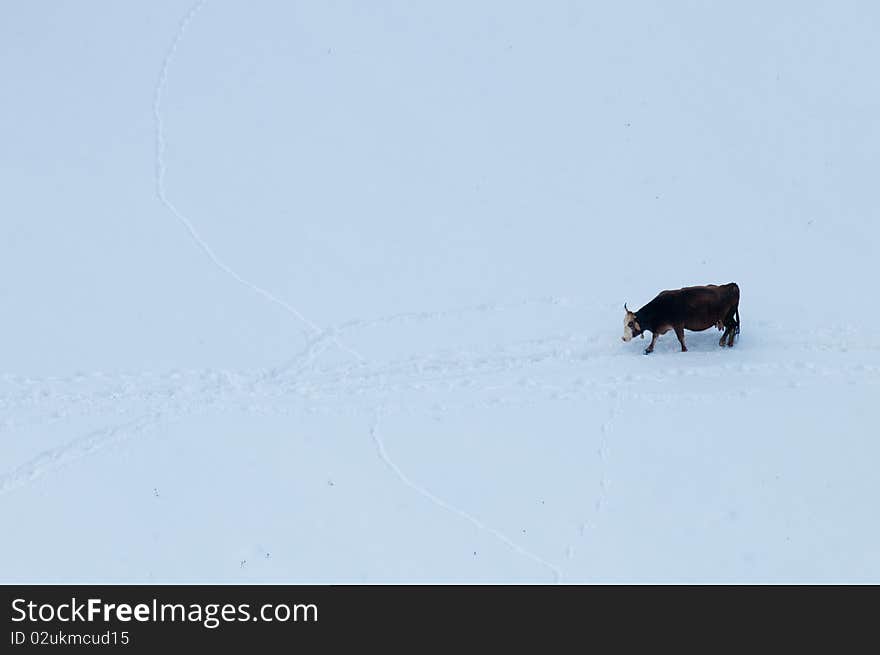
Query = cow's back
x=709 y=295
x=695 y=308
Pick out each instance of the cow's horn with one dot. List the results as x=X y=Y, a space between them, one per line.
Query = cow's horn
x=625 y=307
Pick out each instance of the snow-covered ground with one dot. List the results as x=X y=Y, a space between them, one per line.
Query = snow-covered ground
x=333 y=292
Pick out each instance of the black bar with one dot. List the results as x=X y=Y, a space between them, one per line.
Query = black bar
x=421 y=616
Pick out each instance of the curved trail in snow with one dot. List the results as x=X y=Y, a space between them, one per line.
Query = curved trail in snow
x=312 y=329
x=405 y=479
x=61 y=456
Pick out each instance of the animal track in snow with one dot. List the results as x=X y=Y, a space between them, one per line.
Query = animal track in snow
x=383 y=454
x=60 y=456
x=556 y=368
x=562 y=359
x=160 y=169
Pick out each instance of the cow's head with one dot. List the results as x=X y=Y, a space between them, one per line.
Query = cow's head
x=631 y=327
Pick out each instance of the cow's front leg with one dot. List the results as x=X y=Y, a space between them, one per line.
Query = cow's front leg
x=679 y=332
x=650 y=347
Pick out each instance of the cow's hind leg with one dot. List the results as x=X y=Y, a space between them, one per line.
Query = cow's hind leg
x=679 y=332
x=730 y=329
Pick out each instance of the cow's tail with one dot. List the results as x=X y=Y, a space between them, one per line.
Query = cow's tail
x=735 y=288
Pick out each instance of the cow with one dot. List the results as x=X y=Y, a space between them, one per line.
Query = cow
x=692 y=308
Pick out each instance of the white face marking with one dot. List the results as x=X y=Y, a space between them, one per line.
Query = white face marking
x=630 y=325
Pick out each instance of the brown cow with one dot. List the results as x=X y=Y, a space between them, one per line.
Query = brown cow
x=691 y=308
